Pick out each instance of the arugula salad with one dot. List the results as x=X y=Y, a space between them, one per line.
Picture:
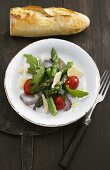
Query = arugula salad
x=52 y=82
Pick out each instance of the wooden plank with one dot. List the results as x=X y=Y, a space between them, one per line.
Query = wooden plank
x=90 y=39
x=105 y=27
x=10 y=152
x=48 y=149
x=95 y=144
x=46 y=4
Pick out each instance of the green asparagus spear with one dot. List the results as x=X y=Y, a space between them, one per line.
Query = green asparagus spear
x=54 y=59
x=54 y=70
x=48 y=72
x=50 y=92
x=54 y=56
x=63 y=79
x=55 y=90
x=66 y=67
x=39 y=103
x=36 y=89
x=51 y=106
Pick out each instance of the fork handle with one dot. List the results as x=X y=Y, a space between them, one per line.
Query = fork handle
x=74 y=144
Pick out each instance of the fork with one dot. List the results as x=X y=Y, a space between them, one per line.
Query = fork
x=75 y=142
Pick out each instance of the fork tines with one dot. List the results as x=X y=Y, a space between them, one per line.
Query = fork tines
x=104 y=83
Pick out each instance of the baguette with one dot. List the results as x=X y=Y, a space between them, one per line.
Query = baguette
x=34 y=21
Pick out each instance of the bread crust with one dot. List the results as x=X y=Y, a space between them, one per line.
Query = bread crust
x=34 y=21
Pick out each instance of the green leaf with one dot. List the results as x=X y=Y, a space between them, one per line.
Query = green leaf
x=36 y=67
x=32 y=61
x=36 y=79
x=76 y=93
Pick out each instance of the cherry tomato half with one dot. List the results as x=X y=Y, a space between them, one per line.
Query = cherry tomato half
x=59 y=102
x=27 y=86
x=73 y=82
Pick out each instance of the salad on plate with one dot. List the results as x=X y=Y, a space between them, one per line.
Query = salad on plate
x=51 y=83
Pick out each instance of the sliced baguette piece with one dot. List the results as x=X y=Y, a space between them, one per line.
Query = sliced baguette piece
x=34 y=21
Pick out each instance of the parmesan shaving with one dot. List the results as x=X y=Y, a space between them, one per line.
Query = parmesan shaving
x=45 y=104
x=22 y=81
x=73 y=71
x=56 y=78
x=74 y=104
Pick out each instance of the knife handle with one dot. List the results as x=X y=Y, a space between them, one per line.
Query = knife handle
x=74 y=144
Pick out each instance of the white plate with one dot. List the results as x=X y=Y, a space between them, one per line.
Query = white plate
x=68 y=52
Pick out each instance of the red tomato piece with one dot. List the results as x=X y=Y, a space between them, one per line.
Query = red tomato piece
x=73 y=82
x=59 y=102
x=27 y=86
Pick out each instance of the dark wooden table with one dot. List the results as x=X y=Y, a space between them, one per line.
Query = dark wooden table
x=94 y=152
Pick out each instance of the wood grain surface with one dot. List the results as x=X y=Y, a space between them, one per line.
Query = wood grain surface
x=94 y=151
